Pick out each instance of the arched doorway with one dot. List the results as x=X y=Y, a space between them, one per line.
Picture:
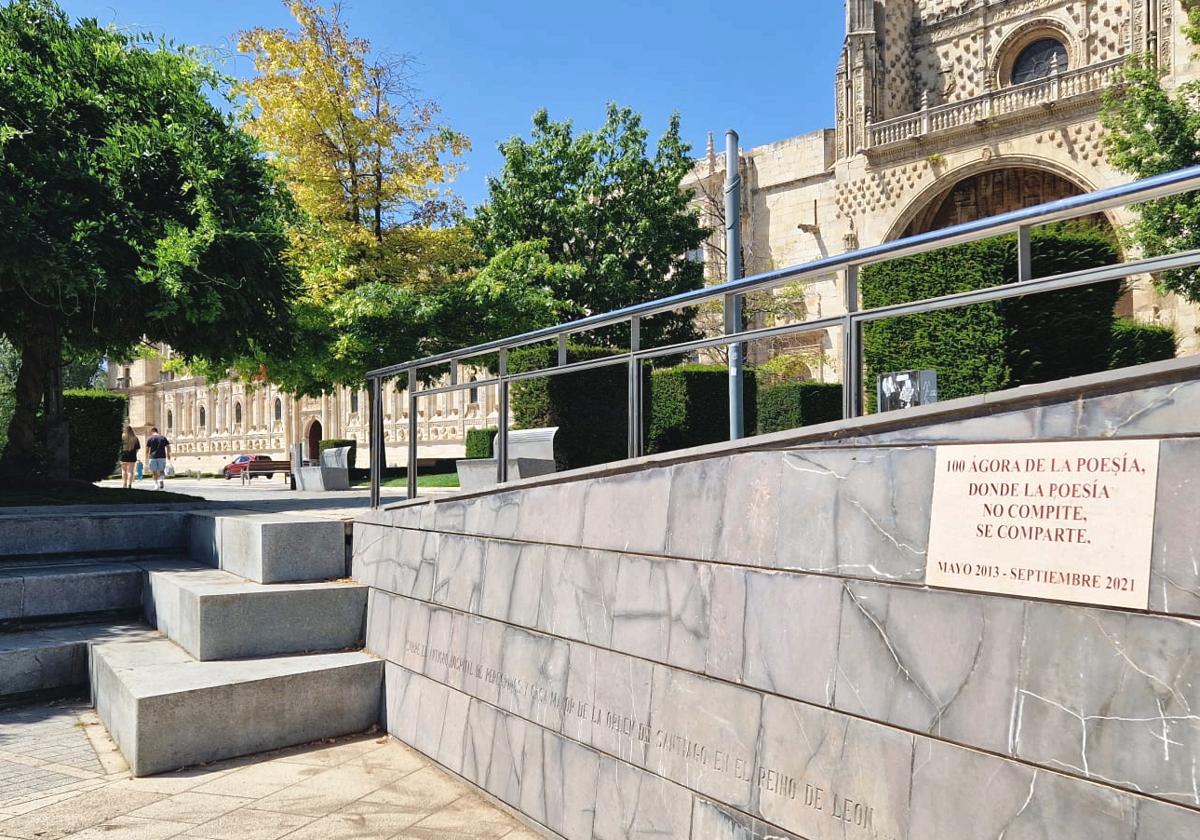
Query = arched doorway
x=314 y=440
x=991 y=193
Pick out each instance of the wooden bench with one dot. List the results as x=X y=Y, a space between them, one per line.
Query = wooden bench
x=254 y=468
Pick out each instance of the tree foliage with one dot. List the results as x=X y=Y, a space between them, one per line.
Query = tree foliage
x=610 y=217
x=1153 y=131
x=131 y=207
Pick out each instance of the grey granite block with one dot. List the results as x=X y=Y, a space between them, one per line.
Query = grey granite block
x=479 y=736
x=607 y=703
x=45 y=590
x=633 y=805
x=558 y=784
x=279 y=549
x=12 y=589
x=55 y=658
x=696 y=511
x=704 y=735
x=713 y=821
x=822 y=774
x=992 y=797
x=578 y=592
x=750 y=510
x=660 y=610
x=938 y=662
x=513 y=581
x=1112 y=696
x=790 y=632
x=1175 y=557
x=861 y=513
x=459 y=572
x=167 y=711
x=216 y=615
x=627 y=512
x=93 y=532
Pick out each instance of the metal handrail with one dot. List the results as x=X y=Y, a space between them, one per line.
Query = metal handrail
x=1019 y=221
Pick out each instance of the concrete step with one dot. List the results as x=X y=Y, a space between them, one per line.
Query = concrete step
x=55 y=659
x=35 y=591
x=26 y=532
x=217 y=615
x=166 y=710
x=269 y=548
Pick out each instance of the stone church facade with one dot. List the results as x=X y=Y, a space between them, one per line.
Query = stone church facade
x=945 y=111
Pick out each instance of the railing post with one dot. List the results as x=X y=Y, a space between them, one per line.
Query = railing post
x=851 y=362
x=635 y=387
x=562 y=349
x=1024 y=254
x=378 y=460
x=924 y=112
x=411 y=480
x=502 y=425
x=733 y=271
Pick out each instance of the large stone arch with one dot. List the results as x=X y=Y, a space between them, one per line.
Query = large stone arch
x=919 y=214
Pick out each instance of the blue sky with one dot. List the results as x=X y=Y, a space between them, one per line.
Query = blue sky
x=766 y=70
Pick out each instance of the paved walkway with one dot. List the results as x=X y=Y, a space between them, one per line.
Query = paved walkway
x=61 y=777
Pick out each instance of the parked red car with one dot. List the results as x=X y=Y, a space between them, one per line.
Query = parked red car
x=238 y=465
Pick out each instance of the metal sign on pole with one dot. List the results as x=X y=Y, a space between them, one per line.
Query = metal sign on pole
x=733 y=271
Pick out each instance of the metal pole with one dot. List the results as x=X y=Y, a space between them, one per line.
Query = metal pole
x=377 y=457
x=733 y=271
x=502 y=425
x=851 y=353
x=411 y=489
x=635 y=387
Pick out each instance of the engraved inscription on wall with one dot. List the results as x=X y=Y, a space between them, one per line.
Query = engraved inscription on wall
x=843 y=813
x=1063 y=521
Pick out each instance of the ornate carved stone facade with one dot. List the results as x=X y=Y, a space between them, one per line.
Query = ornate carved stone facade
x=930 y=129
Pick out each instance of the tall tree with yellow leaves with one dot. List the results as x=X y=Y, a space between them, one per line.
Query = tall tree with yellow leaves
x=363 y=154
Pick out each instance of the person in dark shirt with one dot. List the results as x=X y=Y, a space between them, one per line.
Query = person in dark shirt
x=158 y=453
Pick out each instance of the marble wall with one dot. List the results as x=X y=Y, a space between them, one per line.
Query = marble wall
x=744 y=647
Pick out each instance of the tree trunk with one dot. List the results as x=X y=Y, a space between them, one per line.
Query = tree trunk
x=41 y=360
x=58 y=436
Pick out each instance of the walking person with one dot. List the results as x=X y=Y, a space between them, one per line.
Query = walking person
x=158 y=453
x=129 y=456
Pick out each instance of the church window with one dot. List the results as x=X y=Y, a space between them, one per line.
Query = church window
x=170 y=418
x=278 y=409
x=354 y=402
x=202 y=417
x=1037 y=60
x=237 y=413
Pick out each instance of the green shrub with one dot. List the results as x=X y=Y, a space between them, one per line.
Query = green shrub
x=790 y=405
x=590 y=407
x=688 y=405
x=334 y=443
x=989 y=346
x=95 y=420
x=479 y=442
x=1135 y=343
x=787 y=367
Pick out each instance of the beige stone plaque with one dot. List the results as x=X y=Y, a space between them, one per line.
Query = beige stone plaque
x=1064 y=521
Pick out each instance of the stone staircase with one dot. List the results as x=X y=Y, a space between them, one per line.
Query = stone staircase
x=231 y=633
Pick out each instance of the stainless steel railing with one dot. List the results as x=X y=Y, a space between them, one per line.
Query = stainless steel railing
x=849 y=264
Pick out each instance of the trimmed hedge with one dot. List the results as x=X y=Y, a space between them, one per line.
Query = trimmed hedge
x=1135 y=343
x=688 y=405
x=990 y=346
x=589 y=407
x=790 y=405
x=479 y=442
x=95 y=420
x=334 y=443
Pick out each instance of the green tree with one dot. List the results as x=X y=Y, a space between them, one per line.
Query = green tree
x=612 y=219
x=1153 y=131
x=388 y=272
x=131 y=207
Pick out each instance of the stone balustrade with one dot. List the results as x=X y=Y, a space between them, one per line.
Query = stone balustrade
x=1090 y=81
